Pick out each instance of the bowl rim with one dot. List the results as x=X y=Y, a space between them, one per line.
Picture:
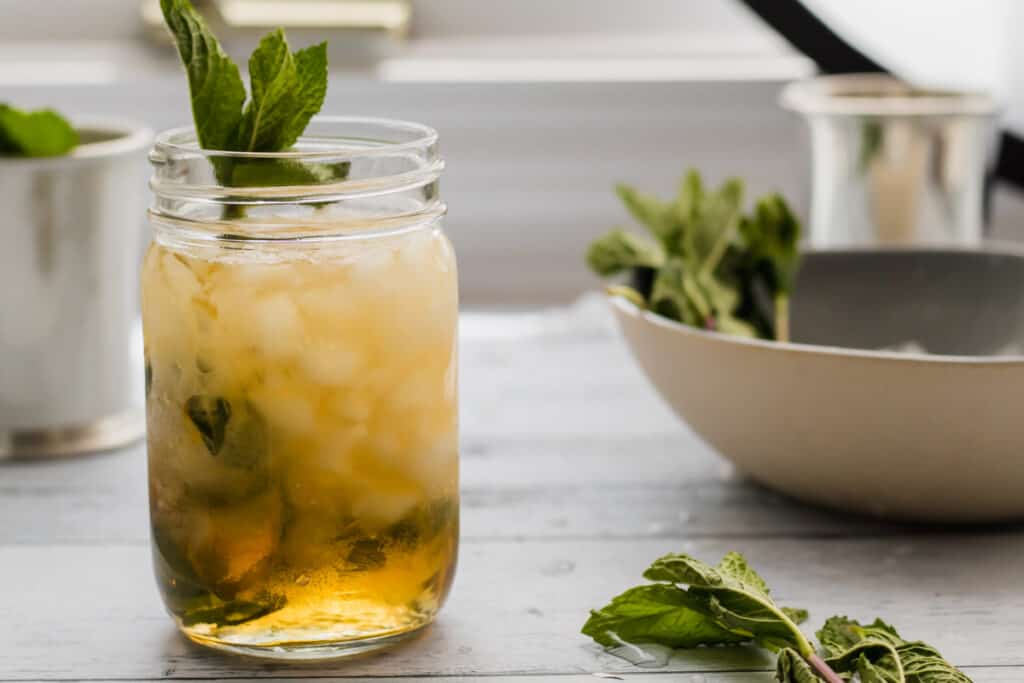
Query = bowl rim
x=625 y=307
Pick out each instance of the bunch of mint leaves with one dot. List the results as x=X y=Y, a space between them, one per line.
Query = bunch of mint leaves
x=287 y=89
x=42 y=133
x=692 y=604
x=708 y=265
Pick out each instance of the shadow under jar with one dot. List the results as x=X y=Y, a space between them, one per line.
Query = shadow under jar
x=301 y=389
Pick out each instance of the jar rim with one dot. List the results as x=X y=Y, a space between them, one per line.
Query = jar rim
x=381 y=174
x=870 y=94
x=183 y=140
x=396 y=156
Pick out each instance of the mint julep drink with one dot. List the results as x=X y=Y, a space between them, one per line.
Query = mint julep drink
x=300 y=309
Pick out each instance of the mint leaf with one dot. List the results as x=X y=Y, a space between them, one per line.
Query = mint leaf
x=839 y=634
x=792 y=668
x=619 y=250
x=210 y=415
x=234 y=612
x=657 y=614
x=735 y=596
x=274 y=82
x=876 y=652
x=796 y=615
x=669 y=296
x=311 y=65
x=652 y=213
x=690 y=198
x=287 y=91
x=923 y=664
x=772 y=235
x=873 y=659
x=214 y=80
x=283 y=172
x=42 y=133
x=695 y=605
x=714 y=227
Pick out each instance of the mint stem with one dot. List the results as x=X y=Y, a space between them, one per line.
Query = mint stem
x=824 y=669
x=782 y=317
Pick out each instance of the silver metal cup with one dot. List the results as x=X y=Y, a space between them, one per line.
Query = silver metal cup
x=70 y=372
x=893 y=164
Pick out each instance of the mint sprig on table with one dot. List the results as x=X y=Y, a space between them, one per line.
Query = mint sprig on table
x=42 y=133
x=708 y=265
x=693 y=604
x=287 y=89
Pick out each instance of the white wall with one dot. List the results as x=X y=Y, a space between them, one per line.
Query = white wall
x=531 y=167
x=98 y=19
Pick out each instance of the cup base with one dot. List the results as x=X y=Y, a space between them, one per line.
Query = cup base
x=313 y=651
x=100 y=435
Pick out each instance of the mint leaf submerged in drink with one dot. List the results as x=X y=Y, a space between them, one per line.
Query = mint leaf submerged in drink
x=210 y=415
x=693 y=604
x=43 y=133
x=287 y=89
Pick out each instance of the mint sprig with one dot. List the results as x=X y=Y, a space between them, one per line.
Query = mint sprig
x=42 y=133
x=876 y=652
x=693 y=604
x=287 y=89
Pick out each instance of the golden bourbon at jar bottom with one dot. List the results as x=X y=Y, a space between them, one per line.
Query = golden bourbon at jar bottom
x=302 y=425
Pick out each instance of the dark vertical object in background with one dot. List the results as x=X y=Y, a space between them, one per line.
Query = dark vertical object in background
x=809 y=34
x=1010 y=162
x=833 y=55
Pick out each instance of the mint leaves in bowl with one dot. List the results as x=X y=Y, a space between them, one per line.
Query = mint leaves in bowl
x=839 y=415
x=707 y=263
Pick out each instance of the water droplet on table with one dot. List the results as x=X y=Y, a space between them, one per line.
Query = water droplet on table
x=644 y=655
x=558 y=568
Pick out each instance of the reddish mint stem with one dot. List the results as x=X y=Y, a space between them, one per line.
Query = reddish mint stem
x=824 y=669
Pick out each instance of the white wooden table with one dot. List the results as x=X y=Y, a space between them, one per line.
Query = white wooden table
x=575 y=477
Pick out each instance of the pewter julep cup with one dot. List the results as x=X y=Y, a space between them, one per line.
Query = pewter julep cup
x=70 y=380
x=893 y=164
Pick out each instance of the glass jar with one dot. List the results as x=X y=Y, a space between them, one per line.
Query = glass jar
x=301 y=389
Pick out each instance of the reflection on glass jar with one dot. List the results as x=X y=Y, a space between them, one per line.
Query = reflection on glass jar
x=301 y=390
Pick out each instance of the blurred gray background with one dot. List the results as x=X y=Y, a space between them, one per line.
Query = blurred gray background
x=542 y=105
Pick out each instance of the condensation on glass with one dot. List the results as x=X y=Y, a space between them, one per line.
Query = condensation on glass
x=301 y=389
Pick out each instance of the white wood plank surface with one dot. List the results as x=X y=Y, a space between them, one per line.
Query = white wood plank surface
x=523 y=489
x=574 y=478
x=84 y=611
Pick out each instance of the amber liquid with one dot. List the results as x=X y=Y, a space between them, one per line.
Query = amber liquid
x=302 y=426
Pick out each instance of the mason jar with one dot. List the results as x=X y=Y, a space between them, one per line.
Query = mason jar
x=300 y=313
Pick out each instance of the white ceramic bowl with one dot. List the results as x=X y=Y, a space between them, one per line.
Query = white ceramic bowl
x=902 y=435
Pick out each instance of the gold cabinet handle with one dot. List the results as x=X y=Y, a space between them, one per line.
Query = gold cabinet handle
x=389 y=16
